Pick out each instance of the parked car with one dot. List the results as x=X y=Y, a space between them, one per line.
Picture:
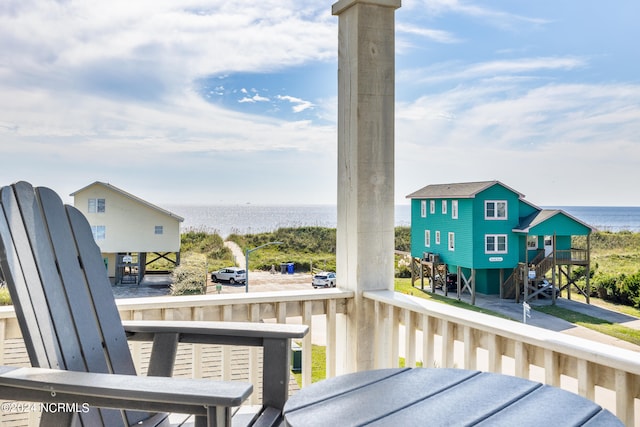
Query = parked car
x=325 y=279
x=230 y=274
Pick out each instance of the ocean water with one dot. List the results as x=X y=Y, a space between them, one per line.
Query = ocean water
x=247 y=219
x=607 y=218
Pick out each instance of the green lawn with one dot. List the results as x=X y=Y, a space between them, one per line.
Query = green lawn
x=613 y=329
x=318 y=353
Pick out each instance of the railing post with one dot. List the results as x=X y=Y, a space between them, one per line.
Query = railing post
x=365 y=226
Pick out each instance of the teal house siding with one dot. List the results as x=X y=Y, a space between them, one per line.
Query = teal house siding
x=492 y=229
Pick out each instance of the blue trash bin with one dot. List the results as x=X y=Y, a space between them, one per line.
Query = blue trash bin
x=290 y=268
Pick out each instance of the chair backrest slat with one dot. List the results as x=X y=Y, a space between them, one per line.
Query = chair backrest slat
x=61 y=292
x=104 y=306
x=26 y=292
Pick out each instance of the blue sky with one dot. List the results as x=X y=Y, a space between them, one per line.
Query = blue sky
x=214 y=102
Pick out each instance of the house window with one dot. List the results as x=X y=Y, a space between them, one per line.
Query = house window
x=432 y=206
x=444 y=207
x=423 y=208
x=454 y=209
x=427 y=238
x=159 y=229
x=532 y=242
x=452 y=241
x=495 y=244
x=96 y=206
x=437 y=237
x=99 y=232
x=495 y=209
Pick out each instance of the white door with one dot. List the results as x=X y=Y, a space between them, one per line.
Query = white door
x=548 y=245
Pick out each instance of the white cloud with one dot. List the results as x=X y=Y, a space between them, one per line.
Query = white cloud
x=253 y=99
x=562 y=144
x=431 y=34
x=503 y=69
x=493 y=17
x=299 y=105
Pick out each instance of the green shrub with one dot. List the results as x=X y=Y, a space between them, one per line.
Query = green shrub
x=210 y=245
x=629 y=289
x=190 y=277
x=605 y=285
x=5 y=298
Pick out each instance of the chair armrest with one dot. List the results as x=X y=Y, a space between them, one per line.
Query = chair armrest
x=274 y=338
x=210 y=332
x=180 y=395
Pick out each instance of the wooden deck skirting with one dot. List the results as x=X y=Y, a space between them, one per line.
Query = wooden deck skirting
x=454 y=338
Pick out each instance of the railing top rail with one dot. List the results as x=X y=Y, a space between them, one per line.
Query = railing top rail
x=231 y=299
x=215 y=299
x=581 y=348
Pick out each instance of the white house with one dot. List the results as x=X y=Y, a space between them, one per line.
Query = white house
x=127 y=228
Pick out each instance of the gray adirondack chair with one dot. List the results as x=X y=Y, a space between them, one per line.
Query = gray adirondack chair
x=77 y=343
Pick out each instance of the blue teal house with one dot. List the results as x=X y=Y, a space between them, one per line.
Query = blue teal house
x=493 y=239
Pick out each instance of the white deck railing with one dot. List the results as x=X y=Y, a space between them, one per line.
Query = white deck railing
x=457 y=337
x=421 y=331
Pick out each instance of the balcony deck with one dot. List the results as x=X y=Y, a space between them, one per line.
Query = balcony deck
x=423 y=332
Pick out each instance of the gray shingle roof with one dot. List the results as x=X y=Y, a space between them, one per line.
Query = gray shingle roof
x=464 y=190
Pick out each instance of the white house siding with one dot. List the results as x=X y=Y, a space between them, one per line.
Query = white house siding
x=129 y=222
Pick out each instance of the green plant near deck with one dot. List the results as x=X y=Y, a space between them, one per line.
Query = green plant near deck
x=5 y=298
x=190 y=277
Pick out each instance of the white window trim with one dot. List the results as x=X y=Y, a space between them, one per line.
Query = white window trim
x=451 y=241
x=423 y=208
x=437 y=237
x=99 y=232
x=158 y=230
x=444 y=207
x=496 y=217
x=432 y=206
x=454 y=209
x=427 y=238
x=495 y=244
x=532 y=242
x=93 y=205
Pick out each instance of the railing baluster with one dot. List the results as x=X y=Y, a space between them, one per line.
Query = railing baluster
x=586 y=380
x=307 y=319
x=447 y=344
x=254 y=316
x=409 y=339
x=494 y=353
x=551 y=370
x=393 y=332
x=624 y=397
x=330 y=333
x=227 y=316
x=428 y=326
x=378 y=345
x=470 y=349
x=521 y=360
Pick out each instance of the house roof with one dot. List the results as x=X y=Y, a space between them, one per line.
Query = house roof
x=543 y=215
x=464 y=190
x=130 y=196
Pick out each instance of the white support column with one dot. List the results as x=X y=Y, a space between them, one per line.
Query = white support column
x=366 y=97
